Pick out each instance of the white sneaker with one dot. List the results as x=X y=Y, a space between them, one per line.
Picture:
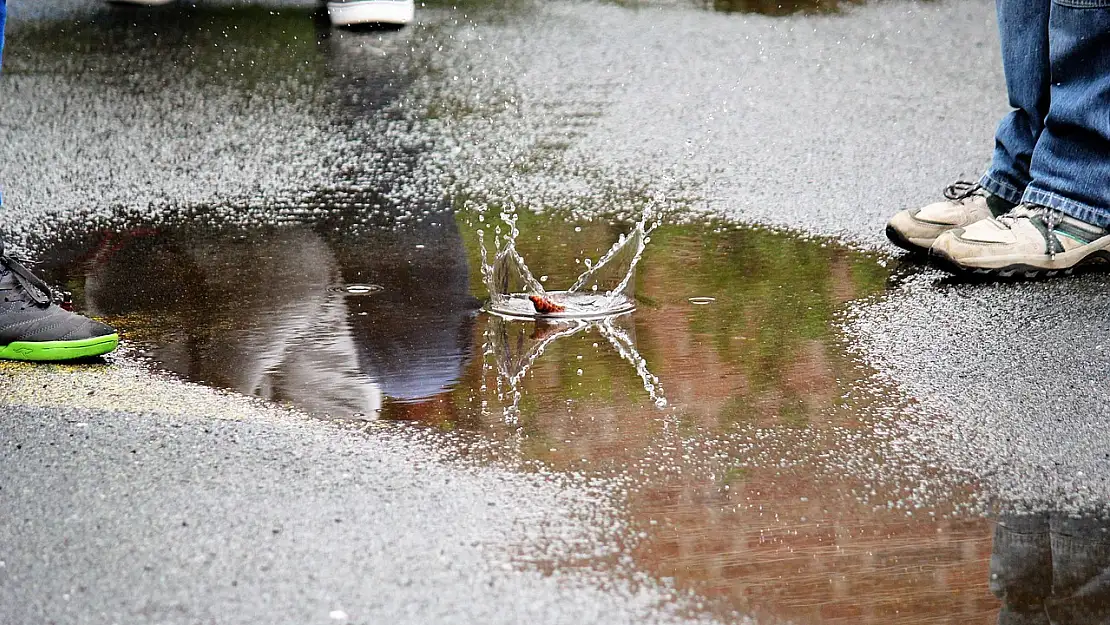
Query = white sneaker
x=1029 y=241
x=356 y=12
x=145 y=3
x=915 y=229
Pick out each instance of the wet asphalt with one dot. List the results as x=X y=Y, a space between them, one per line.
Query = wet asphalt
x=133 y=497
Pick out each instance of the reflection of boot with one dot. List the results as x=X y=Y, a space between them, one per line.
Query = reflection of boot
x=357 y=12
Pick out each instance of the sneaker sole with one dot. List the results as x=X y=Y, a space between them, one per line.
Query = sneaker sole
x=397 y=12
x=901 y=241
x=59 y=350
x=1094 y=260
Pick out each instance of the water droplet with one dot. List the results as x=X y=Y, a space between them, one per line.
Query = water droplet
x=355 y=289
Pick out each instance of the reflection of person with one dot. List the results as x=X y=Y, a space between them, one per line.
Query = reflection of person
x=1052 y=568
x=342 y=12
x=289 y=336
x=1043 y=206
x=32 y=325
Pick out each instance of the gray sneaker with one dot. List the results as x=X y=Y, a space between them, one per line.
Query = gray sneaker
x=965 y=203
x=1029 y=242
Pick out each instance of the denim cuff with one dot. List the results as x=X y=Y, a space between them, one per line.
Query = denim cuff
x=1083 y=212
x=994 y=186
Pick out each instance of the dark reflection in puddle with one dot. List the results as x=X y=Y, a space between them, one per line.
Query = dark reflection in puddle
x=1052 y=567
x=755 y=377
x=260 y=313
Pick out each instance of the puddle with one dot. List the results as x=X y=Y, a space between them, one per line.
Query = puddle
x=731 y=415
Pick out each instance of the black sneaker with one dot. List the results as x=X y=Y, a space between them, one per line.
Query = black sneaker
x=34 y=327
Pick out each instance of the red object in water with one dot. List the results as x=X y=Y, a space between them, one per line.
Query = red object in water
x=545 y=306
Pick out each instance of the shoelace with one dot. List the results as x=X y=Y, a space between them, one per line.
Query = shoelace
x=32 y=286
x=961 y=190
x=1050 y=217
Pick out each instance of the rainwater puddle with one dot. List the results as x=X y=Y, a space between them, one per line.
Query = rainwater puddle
x=726 y=400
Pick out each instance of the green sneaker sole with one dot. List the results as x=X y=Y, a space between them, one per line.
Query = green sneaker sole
x=59 y=350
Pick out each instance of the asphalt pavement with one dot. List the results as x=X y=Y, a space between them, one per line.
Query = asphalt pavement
x=130 y=496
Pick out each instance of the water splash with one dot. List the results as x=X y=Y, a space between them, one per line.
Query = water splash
x=507 y=273
x=513 y=348
x=605 y=288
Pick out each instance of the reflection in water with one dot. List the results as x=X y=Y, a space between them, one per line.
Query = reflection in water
x=259 y=313
x=515 y=345
x=1052 y=568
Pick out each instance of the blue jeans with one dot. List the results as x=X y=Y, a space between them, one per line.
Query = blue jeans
x=1053 y=149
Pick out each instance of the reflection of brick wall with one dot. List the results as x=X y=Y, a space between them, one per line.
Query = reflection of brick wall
x=824 y=560
x=779 y=542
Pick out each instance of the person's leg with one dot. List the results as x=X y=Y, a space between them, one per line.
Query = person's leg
x=1023 y=31
x=3 y=19
x=1071 y=164
x=1063 y=222
x=32 y=325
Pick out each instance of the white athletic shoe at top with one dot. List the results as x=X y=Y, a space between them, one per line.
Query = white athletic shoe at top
x=341 y=12
x=145 y=3
x=358 y=12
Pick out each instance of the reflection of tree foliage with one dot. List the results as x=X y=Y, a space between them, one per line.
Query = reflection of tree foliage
x=246 y=46
x=774 y=291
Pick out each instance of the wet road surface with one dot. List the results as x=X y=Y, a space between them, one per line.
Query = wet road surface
x=841 y=425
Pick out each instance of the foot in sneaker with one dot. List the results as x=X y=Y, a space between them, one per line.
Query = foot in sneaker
x=357 y=12
x=34 y=327
x=965 y=203
x=1029 y=241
